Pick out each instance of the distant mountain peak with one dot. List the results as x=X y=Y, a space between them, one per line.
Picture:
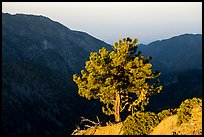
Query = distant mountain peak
x=185 y=35
x=176 y=53
x=35 y=18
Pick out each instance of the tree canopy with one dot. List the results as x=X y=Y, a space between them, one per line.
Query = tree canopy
x=120 y=79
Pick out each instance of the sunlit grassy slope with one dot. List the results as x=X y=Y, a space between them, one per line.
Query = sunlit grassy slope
x=193 y=127
x=168 y=126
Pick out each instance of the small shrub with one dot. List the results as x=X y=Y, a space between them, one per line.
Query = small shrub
x=166 y=113
x=141 y=123
x=184 y=110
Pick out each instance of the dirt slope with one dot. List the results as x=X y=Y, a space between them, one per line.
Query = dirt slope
x=192 y=127
x=167 y=126
x=112 y=129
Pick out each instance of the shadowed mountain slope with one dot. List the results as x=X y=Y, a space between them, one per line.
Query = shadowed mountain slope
x=39 y=57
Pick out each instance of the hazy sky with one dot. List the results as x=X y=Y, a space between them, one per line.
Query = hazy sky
x=110 y=21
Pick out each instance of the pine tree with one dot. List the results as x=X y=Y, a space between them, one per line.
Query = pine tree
x=120 y=79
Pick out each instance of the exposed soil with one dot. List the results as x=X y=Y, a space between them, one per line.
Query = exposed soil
x=169 y=127
x=111 y=129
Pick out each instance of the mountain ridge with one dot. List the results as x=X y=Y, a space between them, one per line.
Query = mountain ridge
x=171 y=54
x=38 y=61
x=169 y=38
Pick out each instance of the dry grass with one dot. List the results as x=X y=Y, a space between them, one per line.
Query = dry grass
x=193 y=127
x=114 y=129
x=111 y=129
x=168 y=126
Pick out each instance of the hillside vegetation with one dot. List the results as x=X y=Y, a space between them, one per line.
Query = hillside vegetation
x=162 y=123
x=192 y=120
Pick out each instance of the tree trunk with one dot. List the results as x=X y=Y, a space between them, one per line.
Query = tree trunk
x=117 y=108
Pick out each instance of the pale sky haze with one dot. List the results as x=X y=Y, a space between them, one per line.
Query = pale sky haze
x=110 y=21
